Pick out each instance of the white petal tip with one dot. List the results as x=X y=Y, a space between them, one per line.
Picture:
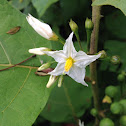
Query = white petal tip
x=47 y=86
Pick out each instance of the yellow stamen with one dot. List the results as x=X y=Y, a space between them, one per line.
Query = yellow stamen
x=69 y=63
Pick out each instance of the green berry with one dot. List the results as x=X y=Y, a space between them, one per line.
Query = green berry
x=116 y=108
x=121 y=77
x=111 y=91
x=123 y=120
x=94 y=112
x=123 y=103
x=106 y=122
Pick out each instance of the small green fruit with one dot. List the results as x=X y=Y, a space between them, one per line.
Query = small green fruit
x=121 y=77
x=123 y=120
x=116 y=108
x=111 y=91
x=94 y=112
x=123 y=103
x=106 y=122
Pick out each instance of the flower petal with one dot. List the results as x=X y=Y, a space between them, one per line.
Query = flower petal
x=68 y=48
x=38 y=51
x=59 y=56
x=58 y=70
x=82 y=59
x=77 y=74
x=41 y=28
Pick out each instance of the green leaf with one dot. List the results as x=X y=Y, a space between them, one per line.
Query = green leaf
x=116 y=27
x=68 y=102
x=23 y=94
x=42 y=5
x=120 y=4
x=20 y=4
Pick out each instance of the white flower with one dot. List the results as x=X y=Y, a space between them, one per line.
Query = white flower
x=71 y=62
x=39 y=51
x=81 y=124
x=41 y=28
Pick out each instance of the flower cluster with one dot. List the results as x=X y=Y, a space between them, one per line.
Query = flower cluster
x=70 y=62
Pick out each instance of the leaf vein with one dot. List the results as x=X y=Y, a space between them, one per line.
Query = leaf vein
x=18 y=91
x=5 y=53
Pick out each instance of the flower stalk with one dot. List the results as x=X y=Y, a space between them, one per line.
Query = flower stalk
x=93 y=50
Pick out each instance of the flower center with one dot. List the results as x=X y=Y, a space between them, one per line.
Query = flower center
x=68 y=64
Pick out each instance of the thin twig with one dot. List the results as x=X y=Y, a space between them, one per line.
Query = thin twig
x=18 y=63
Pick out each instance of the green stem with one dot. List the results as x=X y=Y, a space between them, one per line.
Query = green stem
x=88 y=38
x=18 y=63
x=93 y=50
x=78 y=39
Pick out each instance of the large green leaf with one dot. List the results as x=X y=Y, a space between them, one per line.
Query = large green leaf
x=68 y=102
x=22 y=94
x=116 y=27
x=42 y=5
x=20 y=4
x=121 y=4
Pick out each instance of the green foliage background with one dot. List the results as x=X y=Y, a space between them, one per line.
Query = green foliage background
x=23 y=95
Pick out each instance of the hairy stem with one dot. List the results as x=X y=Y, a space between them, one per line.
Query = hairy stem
x=93 y=50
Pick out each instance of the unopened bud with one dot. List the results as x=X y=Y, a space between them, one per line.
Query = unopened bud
x=51 y=81
x=60 y=81
x=39 y=51
x=115 y=60
x=44 y=66
x=73 y=26
x=41 y=28
x=107 y=99
x=103 y=54
x=88 y=24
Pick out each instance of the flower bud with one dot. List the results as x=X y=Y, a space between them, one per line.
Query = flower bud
x=41 y=28
x=115 y=60
x=88 y=24
x=73 y=26
x=116 y=108
x=81 y=123
x=103 y=54
x=51 y=81
x=60 y=81
x=107 y=99
x=39 y=51
x=44 y=66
